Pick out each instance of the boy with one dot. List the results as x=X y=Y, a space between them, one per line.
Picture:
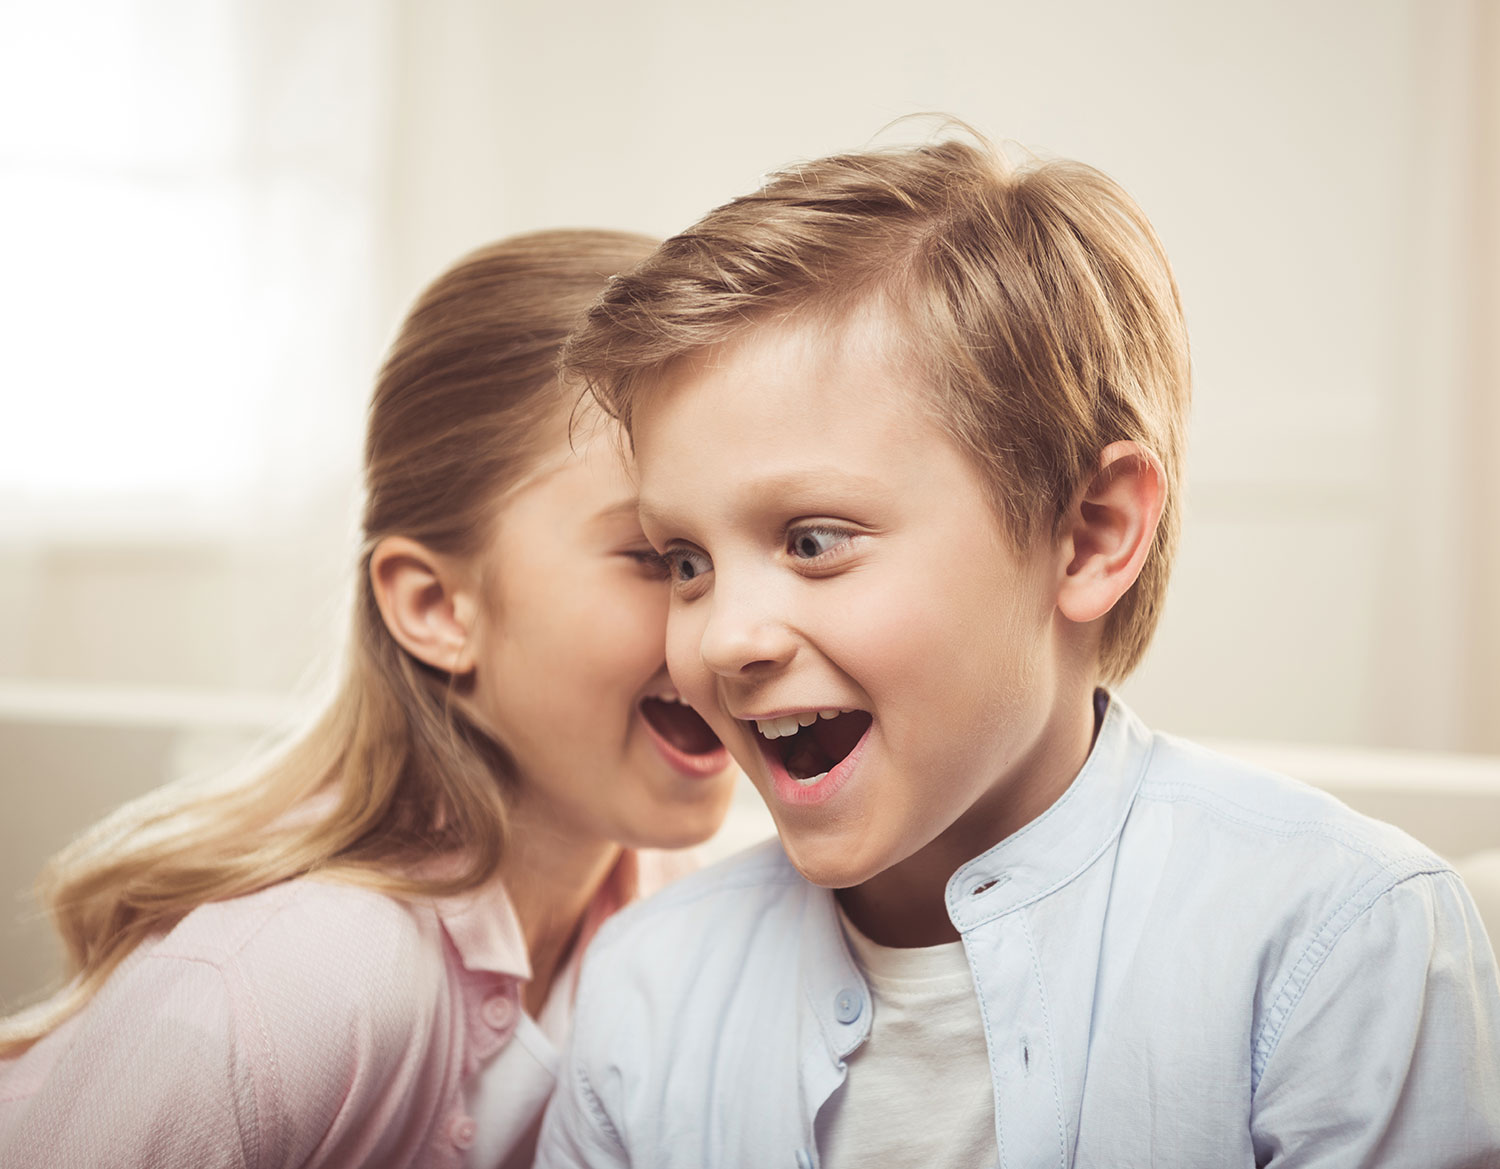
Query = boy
x=909 y=429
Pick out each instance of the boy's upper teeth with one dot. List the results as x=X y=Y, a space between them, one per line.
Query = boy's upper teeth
x=790 y=724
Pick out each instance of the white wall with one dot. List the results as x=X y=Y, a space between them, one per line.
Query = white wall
x=1325 y=174
x=1312 y=169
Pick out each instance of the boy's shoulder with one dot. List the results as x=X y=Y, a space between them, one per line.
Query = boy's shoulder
x=1265 y=810
x=692 y=947
x=1211 y=837
x=749 y=884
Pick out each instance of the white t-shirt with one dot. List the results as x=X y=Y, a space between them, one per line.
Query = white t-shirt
x=918 y=1091
x=509 y=1094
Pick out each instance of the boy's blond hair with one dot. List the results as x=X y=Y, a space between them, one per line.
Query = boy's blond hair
x=1036 y=302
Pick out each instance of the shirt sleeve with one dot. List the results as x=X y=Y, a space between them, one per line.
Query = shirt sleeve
x=1389 y=1053
x=145 y=1078
x=579 y=1129
x=306 y=1025
x=577 y=1132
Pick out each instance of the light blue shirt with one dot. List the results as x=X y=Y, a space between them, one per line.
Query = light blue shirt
x=1186 y=963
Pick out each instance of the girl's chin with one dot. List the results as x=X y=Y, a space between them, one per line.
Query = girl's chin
x=679 y=827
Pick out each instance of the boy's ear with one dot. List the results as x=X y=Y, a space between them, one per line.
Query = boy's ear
x=427 y=603
x=1110 y=530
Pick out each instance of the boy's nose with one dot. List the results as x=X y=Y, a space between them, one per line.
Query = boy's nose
x=745 y=633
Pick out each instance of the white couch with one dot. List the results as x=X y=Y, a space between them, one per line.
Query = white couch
x=68 y=754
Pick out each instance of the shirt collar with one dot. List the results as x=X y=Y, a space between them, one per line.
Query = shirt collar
x=484 y=928
x=1044 y=855
x=1067 y=837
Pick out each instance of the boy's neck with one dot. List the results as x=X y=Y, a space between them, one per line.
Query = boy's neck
x=904 y=906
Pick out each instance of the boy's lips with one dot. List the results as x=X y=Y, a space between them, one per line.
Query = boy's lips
x=811 y=754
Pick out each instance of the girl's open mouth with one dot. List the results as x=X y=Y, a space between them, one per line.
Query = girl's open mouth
x=683 y=737
x=813 y=744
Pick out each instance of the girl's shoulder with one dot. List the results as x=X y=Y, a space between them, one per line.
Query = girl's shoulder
x=309 y=958
x=278 y=1022
x=306 y=927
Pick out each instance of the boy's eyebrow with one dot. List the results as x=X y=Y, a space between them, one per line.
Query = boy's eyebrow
x=832 y=485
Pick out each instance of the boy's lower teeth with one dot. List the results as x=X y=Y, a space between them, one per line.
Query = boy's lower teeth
x=811 y=752
x=804 y=761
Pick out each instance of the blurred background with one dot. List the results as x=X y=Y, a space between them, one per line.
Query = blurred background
x=214 y=212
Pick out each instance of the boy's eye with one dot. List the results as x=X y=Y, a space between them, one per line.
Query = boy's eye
x=812 y=542
x=686 y=564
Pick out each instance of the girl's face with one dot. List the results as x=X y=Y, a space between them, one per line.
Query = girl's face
x=570 y=663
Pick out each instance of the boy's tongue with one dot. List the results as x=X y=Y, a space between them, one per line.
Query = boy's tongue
x=680 y=725
x=824 y=745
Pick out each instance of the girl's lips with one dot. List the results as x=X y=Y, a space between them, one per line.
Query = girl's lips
x=790 y=791
x=699 y=765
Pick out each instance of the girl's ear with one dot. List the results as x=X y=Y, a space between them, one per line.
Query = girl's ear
x=427 y=602
x=1110 y=530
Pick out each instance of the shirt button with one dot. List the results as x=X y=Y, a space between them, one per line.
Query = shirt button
x=847 y=1006
x=804 y=1159
x=498 y=1011
x=461 y=1130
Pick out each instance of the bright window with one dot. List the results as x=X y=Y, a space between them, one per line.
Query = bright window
x=187 y=222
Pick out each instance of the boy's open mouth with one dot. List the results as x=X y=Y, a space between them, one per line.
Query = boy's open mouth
x=815 y=742
x=681 y=725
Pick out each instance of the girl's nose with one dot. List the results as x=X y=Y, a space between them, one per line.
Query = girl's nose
x=746 y=633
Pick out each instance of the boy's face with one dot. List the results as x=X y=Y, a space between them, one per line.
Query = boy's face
x=832 y=550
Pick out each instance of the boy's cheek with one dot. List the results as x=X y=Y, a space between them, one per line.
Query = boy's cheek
x=685 y=662
x=747 y=756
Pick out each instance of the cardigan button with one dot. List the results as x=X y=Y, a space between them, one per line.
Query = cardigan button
x=498 y=1012
x=848 y=1005
x=461 y=1130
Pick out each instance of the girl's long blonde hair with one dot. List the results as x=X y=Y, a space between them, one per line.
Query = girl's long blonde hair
x=466 y=402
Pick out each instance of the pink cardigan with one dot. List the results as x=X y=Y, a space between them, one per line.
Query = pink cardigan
x=311 y=1023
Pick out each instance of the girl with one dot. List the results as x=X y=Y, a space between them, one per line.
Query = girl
x=366 y=956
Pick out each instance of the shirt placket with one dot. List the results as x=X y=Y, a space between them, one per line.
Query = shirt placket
x=1029 y=1127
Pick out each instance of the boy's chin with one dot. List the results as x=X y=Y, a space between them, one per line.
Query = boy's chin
x=828 y=862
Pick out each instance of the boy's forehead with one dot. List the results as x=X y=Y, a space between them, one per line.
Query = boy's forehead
x=809 y=347
x=791 y=412
x=769 y=375
x=758 y=349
